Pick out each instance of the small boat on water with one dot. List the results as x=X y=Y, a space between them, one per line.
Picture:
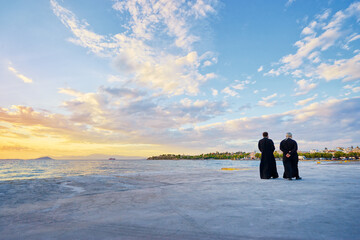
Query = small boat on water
x=112 y=159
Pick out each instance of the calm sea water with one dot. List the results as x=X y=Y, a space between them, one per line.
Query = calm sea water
x=31 y=169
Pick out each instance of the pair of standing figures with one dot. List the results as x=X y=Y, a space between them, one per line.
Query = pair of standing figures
x=290 y=158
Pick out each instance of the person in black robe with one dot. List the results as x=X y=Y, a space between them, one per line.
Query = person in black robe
x=268 y=163
x=290 y=157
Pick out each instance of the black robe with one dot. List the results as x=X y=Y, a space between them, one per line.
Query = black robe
x=268 y=163
x=290 y=163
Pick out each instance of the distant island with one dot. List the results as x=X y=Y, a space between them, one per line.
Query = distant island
x=43 y=158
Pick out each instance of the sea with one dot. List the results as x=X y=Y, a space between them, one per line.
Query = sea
x=36 y=169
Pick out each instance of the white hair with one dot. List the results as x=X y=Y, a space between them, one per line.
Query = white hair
x=288 y=135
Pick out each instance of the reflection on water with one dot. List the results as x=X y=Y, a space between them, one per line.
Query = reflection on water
x=30 y=169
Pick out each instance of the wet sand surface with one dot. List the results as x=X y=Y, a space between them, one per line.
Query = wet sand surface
x=186 y=204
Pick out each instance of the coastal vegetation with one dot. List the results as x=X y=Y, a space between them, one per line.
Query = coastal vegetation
x=217 y=155
x=337 y=155
x=245 y=155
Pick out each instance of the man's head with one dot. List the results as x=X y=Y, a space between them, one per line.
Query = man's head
x=288 y=135
x=265 y=134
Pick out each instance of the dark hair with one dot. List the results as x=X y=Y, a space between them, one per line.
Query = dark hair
x=265 y=134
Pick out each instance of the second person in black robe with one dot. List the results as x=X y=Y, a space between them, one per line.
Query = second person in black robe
x=290 y=157
x=268 y=164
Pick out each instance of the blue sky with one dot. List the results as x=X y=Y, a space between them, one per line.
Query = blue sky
x=139 y=78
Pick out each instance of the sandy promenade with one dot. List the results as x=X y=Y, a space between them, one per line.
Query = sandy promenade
x=192 y=204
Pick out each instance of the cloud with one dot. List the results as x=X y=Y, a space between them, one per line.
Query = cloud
x=289 y=2
x=229 y=92
x=324 y=15
x=13 y=147
x=133 y=53
x=109 y=116
x=97 y=119
x=214 y=92
x=245 y=107
x=309 y=124
x=265 y=101
x=305 y=101
x=237 y=85
x=173 y=74
x=353 y=38
x=19 y=75
x=260 y=69
x=207 y=63
x=321 y=34
x=201 y=8
x=148 y=16
x=240 y=85
x=133 y=114
x=269 y=97
x=22 y=117
x=352 y=88
x=345 y=69
x=85 y=38
x=304 y=86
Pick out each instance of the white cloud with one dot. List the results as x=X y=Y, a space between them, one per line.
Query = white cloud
x=201 y=8
x=129 y=113
x=305 y=101
x=148 y=16
x=97 y=118
x=272 y=72
x=269 y=97
x=345 y=69
x=304 y=86
x=19 y=75
x=307 y=31
x=238 y=85
x=324 y=15
x=131 y=51
x=85 y=38
x=207 y=63
x=318 y=37
x=173 y=74
x=352 y=88
x=265 y=101
x=260 y=69
x=353 y=38
x=309 y=124
x=241 y=85
x=229 y=92
x=214 y=92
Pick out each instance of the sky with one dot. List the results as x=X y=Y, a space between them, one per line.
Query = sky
x=146 y=77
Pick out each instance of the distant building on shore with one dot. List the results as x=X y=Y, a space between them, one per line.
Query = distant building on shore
x=356 y=150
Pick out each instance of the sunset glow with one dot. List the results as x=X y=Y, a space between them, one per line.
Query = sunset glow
x=141 y=78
